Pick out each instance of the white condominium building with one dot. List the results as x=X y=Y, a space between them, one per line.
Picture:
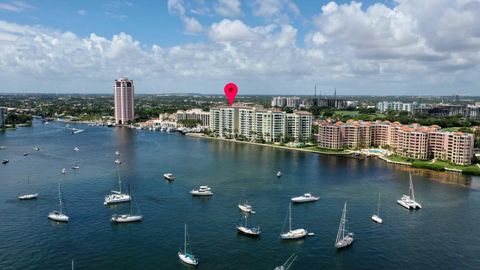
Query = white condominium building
x=194 y=114
x=396 y=106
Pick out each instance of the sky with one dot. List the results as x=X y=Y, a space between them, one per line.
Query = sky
x=284 y=47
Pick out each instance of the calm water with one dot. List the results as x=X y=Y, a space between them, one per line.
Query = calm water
x=443 y=235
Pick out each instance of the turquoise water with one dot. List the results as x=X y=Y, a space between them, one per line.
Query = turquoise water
x=443 y=235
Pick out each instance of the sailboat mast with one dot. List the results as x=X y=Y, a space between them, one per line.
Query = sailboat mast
x=290 y=217
x=60 y=198
x=343 y=219
x=378 y=205
x=130 y=201
x=119 y=181
x=411 y=188
x=185 y=240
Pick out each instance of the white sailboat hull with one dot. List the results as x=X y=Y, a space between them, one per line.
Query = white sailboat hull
x=249 y=231
x=57 y=216
x=126 y=218
x=377 y=219
x=116 y=198
x=294 y=234
x=28 y=196
x=188 y=259
x=201 y=193
x=245 y=208
x=345 y=242
x=302 y=199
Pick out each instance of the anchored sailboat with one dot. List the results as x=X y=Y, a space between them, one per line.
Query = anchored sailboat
x=342 y=239
x=376 y=217
x=292 y=234
x=130 y=217
x=286 y=265
x=408 y=201
x=29 y=196
x=184 y=255
x=250 y=231
x=117 y=196
x=58 y=215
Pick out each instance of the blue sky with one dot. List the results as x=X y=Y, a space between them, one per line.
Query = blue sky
x=266 y=47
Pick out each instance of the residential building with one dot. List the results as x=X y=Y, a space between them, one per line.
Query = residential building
x=414 y=141
x=2 y=117
x=194 y=114
x=291 y=102
x=396 y=106
x=124 y=92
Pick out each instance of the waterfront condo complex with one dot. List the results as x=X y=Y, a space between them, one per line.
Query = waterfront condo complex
x=256 y=123
x=413 y=141
x=124 y=92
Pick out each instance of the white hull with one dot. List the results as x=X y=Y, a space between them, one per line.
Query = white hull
x=28 y=196
x=304 y=200
x=249 y=231
x=377 y=219
x=187 y=259
x=126 y=218
x=117 y=161
x=116 y=198
x=404 y=204
x=245 y=208
x=201 y=193
x=56 y=216
x=345 y=242
x=294 y=234
x=169 y=176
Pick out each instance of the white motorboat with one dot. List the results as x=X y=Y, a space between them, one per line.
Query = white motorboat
x=307 y=197
x=287 y=264
x=342 y=239
x=408 y=201
x=292 y=234
x=130 y=217
x=30 y=196
x=118 y=161
x=117 y=196
x=250 y=231
x=117 y=153
x=279 y=174
x=169 y=176
x=184 y=255
x=64 y=171
x=58 y=215
x=75 y=167
x=246 y=207
x=36 y=148
x=76 y=149
x=377 y=217
x=202 y=191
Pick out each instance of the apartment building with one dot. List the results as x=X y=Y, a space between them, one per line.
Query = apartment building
x=194 y=114
x=413 y=141
x=396 y=106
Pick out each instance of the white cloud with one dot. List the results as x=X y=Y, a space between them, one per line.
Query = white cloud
x=228 y=30
x=276 y=10
x=192 y=26
x=15 y=6
x=228 y=8
x=82 y=12
x=176 y=7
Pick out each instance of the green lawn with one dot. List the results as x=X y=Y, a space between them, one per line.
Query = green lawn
x=438 y=165
x=325 y=150
x=346 y=112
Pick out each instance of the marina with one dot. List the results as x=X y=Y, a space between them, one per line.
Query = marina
x=95 y=243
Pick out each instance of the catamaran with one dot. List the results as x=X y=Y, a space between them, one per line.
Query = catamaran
x=117 y=196
x=286 y=265
x=202 y=191
x=292 y=234
x=58 y=215
x=184 y=255
x=307 y=197
x=246 y=207
x=28 y=196
x=377 y=217
x=130 y=217
x=342 y=239
x=408 y=201
x=250 y=231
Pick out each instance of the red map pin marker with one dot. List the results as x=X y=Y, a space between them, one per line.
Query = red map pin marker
x=231 y=91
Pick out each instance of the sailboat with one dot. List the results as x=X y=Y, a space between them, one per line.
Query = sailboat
x=246 y=207
x=117 y=196
x=186 y=257
x=408 y=201
x=342 y=239
x=286 y=265
x=292 y=234
x=28 y=196
x=377 y=217
x=250 y=231
x=130 y=217
x=58 y=215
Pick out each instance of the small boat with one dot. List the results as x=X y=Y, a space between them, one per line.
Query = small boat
x=36 y=148
x=169 y=176
x=117 y=153
x=279 y=174
x=408 y=201
x=76 y=149
x=245 y=207
x=307 y=197
x=117 y=196
x=292 y=234
x=377 y=217
x=130 y=217
x=2 y=147
x=5 y=161
x=184 y=255
x=64 y=171
x=117 y=161
x=342 y=239
x=249 y=231
x=30 y=196
x=75 y=167
x=58 y=215
x=286 y=265
x=202 y=191
x=25 y=154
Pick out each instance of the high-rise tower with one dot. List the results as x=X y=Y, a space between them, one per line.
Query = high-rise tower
x=124 y=93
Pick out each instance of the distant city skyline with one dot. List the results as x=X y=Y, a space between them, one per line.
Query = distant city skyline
x=267 y=47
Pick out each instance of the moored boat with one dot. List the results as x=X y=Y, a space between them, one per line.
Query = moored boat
x=169 y=176
x=307 y=197
x=202 y=191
